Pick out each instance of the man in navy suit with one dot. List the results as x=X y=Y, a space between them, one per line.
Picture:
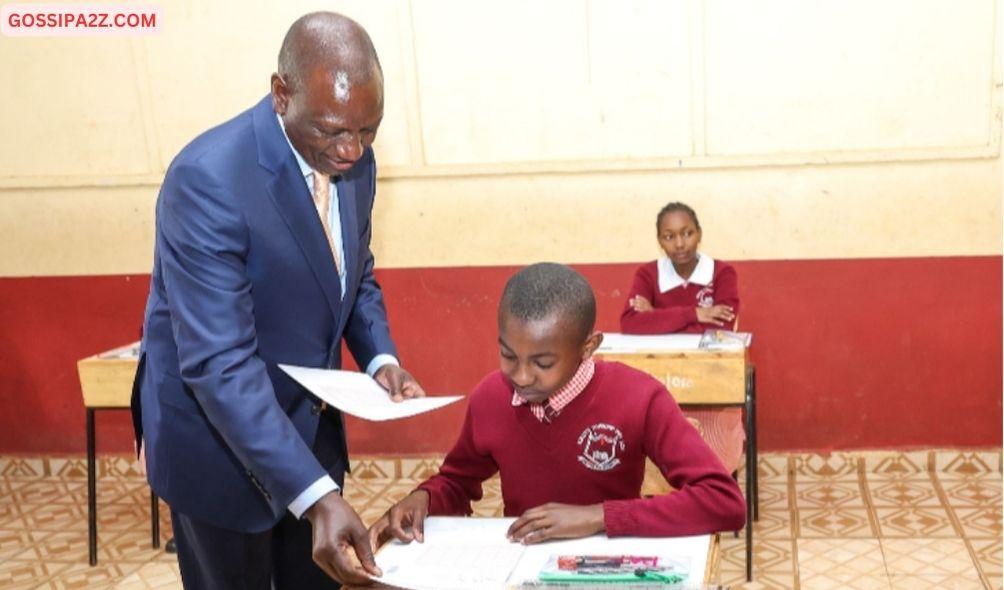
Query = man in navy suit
x=262 y=257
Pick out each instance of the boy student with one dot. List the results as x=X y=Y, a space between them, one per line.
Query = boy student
x=569 y=435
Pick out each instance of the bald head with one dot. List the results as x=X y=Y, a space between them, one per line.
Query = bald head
x=331 y=45
x=328 y=91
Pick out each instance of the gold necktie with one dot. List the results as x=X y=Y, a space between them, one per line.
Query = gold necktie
x=322 y=201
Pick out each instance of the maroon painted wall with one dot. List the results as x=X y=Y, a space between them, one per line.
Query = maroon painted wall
x=850 y=353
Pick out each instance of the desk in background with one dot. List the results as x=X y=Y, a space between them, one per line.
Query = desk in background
x=106 y=384
x=697 y=376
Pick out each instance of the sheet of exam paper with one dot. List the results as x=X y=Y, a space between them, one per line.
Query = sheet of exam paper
x=616 y=342
x=129 y=351
x=458 y=554
x=360 y=395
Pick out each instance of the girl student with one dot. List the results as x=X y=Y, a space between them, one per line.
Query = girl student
x=688 y=292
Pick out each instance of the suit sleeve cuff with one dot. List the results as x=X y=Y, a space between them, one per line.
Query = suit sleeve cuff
x=311 y=495
x=379 y=361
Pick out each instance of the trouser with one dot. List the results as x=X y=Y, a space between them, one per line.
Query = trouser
x=214 y=558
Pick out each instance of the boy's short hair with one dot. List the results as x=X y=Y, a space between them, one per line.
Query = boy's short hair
x=541 y=290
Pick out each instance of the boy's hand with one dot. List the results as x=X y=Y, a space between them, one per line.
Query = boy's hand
x=408 y=513
x=716 y=314
x=556 y=521
x=398 y=382
x=639 y=303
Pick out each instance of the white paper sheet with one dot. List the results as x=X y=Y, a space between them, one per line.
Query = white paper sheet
x=129 y=351
x=458 y=554
x=360 y=395
x=464 y=553
x=616 y=342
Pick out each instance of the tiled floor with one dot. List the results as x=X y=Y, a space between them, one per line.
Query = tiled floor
x=927 y=519
x=875 y=520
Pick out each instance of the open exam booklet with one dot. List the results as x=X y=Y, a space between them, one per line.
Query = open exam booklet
x=360 y=395
x=464 y=553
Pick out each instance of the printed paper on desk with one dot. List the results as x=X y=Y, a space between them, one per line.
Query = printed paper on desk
x=458 y=554
x=465 y=553
x=725 y=340
x=360 y=395
x=615 y=342
x=128 y=352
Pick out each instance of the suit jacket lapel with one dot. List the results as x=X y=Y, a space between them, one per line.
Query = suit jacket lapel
x=291 y=198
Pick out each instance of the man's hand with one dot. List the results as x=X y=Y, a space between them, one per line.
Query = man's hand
x=716 y=314
x=407 y=514
x=639 y=303
x=398 y=382
x=337 y=529
x=556 y=521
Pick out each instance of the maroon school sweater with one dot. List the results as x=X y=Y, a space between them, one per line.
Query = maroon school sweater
x=593 y=452
x=676 y=310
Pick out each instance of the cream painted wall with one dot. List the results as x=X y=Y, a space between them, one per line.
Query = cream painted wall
x=948 y=208
x=521 y=130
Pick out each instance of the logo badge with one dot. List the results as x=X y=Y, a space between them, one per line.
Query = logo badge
x=600 y=444
x=706 y=296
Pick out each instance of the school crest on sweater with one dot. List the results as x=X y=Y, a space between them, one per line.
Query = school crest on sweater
x=600 y=444
x=706 y=296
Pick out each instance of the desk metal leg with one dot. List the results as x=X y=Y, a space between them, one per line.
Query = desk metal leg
x=92 y=513
x=155 y=519
x=751 y=471
x=749 y=514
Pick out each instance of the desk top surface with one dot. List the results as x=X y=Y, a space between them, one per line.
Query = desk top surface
x=106 y=378
x=473 y=552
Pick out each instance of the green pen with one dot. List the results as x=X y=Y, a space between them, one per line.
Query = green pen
x=658 y=577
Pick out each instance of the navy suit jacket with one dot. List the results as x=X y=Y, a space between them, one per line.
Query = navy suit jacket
x=244 y=279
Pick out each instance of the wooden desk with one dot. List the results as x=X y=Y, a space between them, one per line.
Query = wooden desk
x=706 y=378
x=106 y=384
x=695 y=377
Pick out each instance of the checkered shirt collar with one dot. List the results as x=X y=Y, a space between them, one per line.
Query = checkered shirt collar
x=546 y=412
